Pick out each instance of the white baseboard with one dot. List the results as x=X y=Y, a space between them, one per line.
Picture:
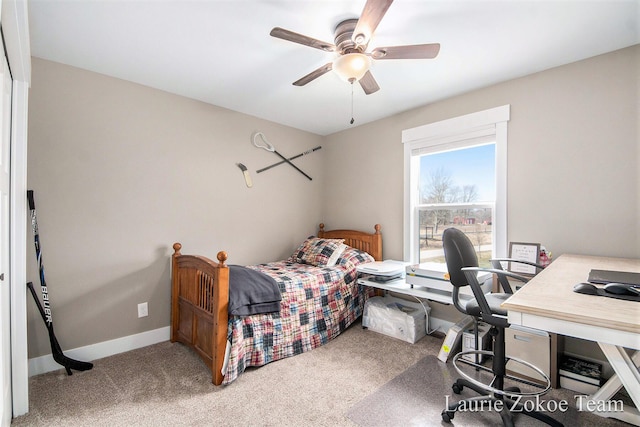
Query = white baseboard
x=42 y=364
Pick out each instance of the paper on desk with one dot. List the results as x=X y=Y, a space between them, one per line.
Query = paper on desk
x=387 y=267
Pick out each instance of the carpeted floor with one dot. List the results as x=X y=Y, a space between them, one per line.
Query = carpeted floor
x=360 y=378
x=403 y=400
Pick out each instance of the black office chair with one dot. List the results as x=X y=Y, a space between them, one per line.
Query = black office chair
x=462 y=263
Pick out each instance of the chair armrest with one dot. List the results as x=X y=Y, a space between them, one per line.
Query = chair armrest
x=536 y=265
x=502 y=276
x=498 y=272
x=487 y=315
x=502 y=279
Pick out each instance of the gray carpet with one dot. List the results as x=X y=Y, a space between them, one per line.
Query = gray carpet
x=360 y=378
x=417 y=396
x=167 y=384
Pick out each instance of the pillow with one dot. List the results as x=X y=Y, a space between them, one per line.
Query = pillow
x=352 y=257
x=316 y=251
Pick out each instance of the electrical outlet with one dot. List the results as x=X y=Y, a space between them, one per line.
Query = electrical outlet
x=143 y=309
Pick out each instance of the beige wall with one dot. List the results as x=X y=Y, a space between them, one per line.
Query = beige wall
x=122 y=171
x=573 y=181
x=573 y=151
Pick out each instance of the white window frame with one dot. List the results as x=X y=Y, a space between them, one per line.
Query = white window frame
x=449 y=134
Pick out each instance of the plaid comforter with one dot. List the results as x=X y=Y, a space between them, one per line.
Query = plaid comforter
x=318 y=303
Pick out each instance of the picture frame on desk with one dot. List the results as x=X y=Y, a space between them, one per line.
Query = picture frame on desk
x=521 y=251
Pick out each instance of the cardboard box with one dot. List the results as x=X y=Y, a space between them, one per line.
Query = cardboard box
x=453 y=338
x=469 y=341
x=396 y=318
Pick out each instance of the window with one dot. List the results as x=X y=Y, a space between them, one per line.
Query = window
x=455 y=176
x=456 y=189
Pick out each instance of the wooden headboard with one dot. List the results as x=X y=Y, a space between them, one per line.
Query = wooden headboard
x=367 y=242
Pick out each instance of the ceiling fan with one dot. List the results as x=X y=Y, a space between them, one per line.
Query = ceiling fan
x=351 y=39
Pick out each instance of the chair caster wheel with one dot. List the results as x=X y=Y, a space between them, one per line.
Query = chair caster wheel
x=447 y=416
x=457 y=388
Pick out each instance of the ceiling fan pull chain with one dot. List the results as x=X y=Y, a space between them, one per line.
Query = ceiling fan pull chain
x=352 y=120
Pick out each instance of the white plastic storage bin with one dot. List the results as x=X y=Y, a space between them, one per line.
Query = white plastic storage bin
x=396 y=318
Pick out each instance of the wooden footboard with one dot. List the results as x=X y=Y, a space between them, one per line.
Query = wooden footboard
x=199 y=306
x=200 y=296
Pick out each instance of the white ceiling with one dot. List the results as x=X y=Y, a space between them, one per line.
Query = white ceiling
x=220 y=52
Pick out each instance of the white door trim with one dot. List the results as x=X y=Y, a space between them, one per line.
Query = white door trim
x=15 y=28
x=19 y=351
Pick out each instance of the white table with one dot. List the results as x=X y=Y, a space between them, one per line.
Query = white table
x=434 y=293
x=402 y=287
x=548 y=302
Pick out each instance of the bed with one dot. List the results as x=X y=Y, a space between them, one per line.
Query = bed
x=319 y=299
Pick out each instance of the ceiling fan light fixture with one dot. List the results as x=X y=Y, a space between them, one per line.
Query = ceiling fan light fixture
x=352 y=66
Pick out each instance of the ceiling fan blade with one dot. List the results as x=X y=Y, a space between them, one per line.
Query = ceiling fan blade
x=369 y=84
x=416 y=51
x=313 y=75
x=283 y=34
x=371 y=16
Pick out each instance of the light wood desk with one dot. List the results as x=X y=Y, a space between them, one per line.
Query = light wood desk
x=548 y=302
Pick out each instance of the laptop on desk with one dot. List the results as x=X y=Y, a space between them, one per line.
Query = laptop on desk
x=603 y=277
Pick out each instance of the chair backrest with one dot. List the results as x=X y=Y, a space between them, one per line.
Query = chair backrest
x=458 y=252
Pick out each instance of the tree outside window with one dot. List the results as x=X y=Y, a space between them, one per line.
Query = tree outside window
x=457 y=189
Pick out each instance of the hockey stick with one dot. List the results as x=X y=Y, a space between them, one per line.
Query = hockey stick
x=56 y=351
x=45 y=311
